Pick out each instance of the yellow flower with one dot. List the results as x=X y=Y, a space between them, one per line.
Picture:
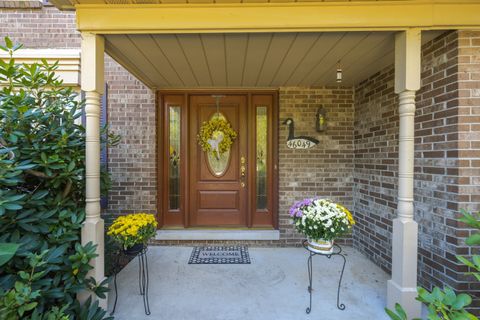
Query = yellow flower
x=133 y=228
x=348 y=213
x=213 y=127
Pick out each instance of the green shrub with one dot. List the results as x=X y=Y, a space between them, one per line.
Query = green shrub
x=446 y=304
x=42 y=196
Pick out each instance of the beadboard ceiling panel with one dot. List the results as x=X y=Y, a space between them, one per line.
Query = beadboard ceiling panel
x=215 y=52
x=258 y=45
x=235 y=49
x=194 y=50
x=263 y=60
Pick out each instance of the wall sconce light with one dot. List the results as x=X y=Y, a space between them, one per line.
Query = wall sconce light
x=321 y=123
x=339 y=73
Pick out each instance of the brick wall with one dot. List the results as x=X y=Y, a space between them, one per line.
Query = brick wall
x=468 y=146
x=22 y=4
x=132 y=164
x=446 y=158
x=376 y=154
x=40 y=28
x=447 y=154
x=436 y=173
x=325 y=170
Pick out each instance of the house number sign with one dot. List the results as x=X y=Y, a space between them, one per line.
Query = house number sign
x=300 y=142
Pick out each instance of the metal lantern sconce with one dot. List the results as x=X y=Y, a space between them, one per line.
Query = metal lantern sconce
x=321 y=119
x=339 y=73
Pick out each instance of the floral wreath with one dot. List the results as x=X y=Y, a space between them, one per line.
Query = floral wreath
x=216 y=136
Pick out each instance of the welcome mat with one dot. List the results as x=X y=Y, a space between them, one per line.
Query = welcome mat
x=220 y=255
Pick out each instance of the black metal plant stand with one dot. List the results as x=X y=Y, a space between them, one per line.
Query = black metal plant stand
x=337 y=251
x=142 y=277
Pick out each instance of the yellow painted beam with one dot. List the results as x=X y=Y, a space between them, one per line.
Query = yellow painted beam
x=279 y=17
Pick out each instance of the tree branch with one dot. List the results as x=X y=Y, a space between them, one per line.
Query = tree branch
x=67 y=189
x=39 y=174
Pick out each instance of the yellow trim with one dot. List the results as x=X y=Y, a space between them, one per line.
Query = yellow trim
x=278 y=17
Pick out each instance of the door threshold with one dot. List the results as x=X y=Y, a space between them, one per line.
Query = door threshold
x=202 y=234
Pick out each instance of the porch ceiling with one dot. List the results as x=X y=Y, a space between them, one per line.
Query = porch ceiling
x=252 y=60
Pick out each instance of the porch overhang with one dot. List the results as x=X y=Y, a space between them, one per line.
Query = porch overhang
x=176 y=16
x=200 y=44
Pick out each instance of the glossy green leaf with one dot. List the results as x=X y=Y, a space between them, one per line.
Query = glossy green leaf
x=14 y=197
x=450 y=296
x=40 y=194
x=8 y=43
x=26 y=166
x=473 y=240
x=465 y=261
x=393 y=315
x=7 y=251
x=12 y=206
x=13 y=138
x=462 y=301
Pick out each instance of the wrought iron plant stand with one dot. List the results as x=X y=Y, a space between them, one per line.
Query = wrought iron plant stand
x=142 y=274
x=337 y=251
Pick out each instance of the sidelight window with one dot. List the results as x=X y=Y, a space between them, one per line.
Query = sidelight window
x=174 y=158
x=261 y=157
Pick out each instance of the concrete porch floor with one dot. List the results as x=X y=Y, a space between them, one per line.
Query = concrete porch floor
x=273 y=286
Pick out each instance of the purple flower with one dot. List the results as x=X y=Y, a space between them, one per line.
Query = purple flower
x=296 y=209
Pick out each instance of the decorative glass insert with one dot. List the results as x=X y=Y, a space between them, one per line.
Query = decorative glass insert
x=261 y=155
x=174 y=158
x=218 y=164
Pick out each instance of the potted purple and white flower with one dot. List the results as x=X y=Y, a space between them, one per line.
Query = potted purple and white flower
x=321 y=221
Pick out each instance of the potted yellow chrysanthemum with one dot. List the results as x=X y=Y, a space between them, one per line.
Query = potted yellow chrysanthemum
x=133 y=231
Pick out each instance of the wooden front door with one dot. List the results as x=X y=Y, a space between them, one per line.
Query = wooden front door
x=198 y=190
x=218 y=190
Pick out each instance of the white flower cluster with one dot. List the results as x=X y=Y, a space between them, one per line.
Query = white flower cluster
x=323 y=214
x=321 y=219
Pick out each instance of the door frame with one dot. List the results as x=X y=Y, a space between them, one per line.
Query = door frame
x=182 y=219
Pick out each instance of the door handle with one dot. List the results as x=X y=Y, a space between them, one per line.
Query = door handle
x=243 y=171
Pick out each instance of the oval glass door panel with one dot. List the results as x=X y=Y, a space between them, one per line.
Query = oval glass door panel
x=218 y=163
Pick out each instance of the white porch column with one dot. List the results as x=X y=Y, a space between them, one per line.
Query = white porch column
x=402 y=288
x=92 y=83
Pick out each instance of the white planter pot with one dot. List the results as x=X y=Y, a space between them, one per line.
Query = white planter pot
x=320 y=246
